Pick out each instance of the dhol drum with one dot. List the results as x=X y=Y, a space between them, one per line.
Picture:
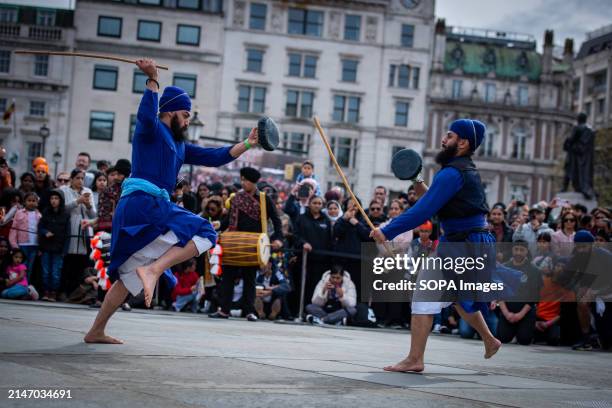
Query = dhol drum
x=245 y=248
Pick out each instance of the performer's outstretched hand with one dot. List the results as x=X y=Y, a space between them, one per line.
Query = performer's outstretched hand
x=378 y=235
x=253 y=137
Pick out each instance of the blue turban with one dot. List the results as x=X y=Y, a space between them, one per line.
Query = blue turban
x=174 y=99
x=471 y=130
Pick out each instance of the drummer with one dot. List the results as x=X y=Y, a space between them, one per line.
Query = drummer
x=245 y=216
x=149 y=233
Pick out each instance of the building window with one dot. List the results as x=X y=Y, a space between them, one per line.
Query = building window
x=257 y=19
x=457 y=88
x=241 y=133
x=187 y=35
x=105 y=77
x=519 y=143
x=352 y=27
x=41 y=65
x=407 y=35
x=403 y=76
x=187 y=82
x=401 y=113
x=149 y=2
x=254 y=60
x=5 y=61
x=213 y=6
x=346 y=108
x=3 y=105
x=109 y=26
x=302 y=65
x=45 y=17
x=299 y=104
x=305 y=22
x=8 y=15
x=519 y=192
x=251 y=98
x=601 y=103
x=297 y=143
x=349 y=70
x=139 y=83
x=188 y=4
x=101 y=125
x=34 y=151
x=523 y=95
x=37 y=108
x=344 y=149
x=132 y=129
x=490 y=91
x=599 y=81
x=399 y=75
x=487 y=148
x=149 y=30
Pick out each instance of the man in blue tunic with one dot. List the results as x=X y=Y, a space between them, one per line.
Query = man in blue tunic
x=457 y=197
x=150 y=234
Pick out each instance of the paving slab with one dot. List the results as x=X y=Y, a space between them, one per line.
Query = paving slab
x=186 y=360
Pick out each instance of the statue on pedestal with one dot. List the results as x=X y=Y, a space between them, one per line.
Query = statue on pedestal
x=580 y=148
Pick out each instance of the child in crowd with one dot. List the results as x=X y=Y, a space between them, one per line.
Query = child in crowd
x=308 y=173
x=186 y=290
x=11 y=202
x=53 y=233
x=17 y=282
x=24 y=231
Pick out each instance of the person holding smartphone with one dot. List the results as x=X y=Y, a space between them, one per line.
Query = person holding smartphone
x=79 y=204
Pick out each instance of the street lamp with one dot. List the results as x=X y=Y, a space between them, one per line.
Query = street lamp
x=57 y=158
x=44 y=134
x=195 y=128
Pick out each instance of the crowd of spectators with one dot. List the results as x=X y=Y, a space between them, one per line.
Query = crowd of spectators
x=46 y=226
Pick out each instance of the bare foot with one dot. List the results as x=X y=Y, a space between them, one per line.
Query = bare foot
x=101 y=338
x=492 y=347
x=149 y=279
x=406 y=365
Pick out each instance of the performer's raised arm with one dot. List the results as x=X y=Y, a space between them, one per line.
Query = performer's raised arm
x=149 y=105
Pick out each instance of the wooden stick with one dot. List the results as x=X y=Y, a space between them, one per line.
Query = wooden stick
x=344 y=180
x=83 y=54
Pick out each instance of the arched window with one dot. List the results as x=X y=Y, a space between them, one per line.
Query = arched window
x=487 y=148
x=519 y=142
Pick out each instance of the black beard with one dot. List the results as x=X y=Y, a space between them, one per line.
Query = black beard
x=179 y=134
x=446 y=154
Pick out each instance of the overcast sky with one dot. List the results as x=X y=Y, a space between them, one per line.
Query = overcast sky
x=568 y=18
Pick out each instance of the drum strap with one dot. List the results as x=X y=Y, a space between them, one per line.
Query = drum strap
x=263 y=212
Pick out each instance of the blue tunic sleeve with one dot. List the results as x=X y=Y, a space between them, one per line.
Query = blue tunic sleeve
x=445 y=185
x=147 y=113
x=207 y=156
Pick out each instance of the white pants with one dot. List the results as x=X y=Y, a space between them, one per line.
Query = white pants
x=428 y=308
x=149 y=254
